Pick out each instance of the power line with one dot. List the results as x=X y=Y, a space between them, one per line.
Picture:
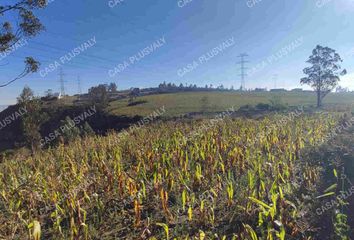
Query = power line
x=65 y=36
x=47 y=60
x=65 y=50
x=243 y=74
x=56 y=51
x=87 y=56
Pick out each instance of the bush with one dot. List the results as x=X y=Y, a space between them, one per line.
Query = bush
x=247 y=108
x=263 y=107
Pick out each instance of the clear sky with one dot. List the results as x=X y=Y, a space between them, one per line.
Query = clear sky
x=191 y=29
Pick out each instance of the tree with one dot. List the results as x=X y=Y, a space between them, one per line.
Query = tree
x=323 y=75
x=221 y=87
x=26 y=96
x=25 y=25
x=112 y=87
x=162 y=85
x=87 y=130
x=31 y=122
x=134 y=93
x=48 y=93
x=99 y=95
x=72 y=131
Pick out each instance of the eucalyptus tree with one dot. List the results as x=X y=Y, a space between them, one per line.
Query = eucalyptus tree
x=18 y=22
x=324 y=74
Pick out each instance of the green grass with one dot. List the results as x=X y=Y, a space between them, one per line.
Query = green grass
x=181 y=103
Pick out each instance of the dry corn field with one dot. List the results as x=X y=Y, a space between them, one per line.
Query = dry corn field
x=235 y=179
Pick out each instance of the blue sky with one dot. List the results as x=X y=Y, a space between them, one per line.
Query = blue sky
x=260 y=28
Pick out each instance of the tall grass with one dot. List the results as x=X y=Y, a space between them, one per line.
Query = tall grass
x=155 y=183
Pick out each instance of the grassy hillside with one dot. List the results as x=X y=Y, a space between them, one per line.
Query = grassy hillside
x=186 y=102
x=120 y=115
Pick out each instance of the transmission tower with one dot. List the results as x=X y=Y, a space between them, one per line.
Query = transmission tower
x=243 y=68
x=62 y=82
x=79 y=90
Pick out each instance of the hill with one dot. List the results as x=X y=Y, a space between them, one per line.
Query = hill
x=182 y=103
x=122 y=113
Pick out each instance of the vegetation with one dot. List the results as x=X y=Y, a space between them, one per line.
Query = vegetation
x=184 y=103
x=99 y=95
x=73 y=131
x=25 y=25
x=214 y=164
x=323 y=75
x=171 y=87
x=133 y=94
x=32 y=121
x=232 y=179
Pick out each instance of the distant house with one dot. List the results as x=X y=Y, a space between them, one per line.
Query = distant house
x=278 y=90
x=260 y=90
x=51 y=97
x=297 y=90
x=57 y=96
x=342 y=90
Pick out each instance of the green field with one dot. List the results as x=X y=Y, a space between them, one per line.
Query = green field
x=181 y=103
